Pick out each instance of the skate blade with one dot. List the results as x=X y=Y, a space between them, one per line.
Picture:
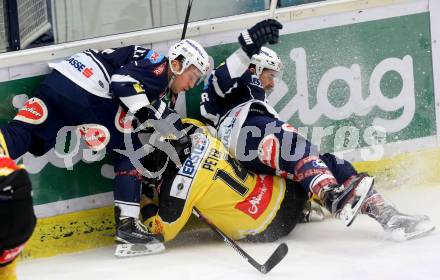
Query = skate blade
x=134 y=250
x=423 y=230
x=348 y=213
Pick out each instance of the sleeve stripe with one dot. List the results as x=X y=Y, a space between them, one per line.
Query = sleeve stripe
x=211 y=117
x=250 y=92
x=237 y=63
x=158 y=114
x=101 y=67
x=135 y=102
x=123 y=79
x=217 y=88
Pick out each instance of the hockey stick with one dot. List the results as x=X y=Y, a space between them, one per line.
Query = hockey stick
x=272 y=7
x=185 y=24
x=273 y=260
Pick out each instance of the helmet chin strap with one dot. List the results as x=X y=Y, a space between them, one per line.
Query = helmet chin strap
x=175 y=74
x=173 y=78
x=172 y=94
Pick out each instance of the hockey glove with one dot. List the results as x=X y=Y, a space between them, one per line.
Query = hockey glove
x=252 y=39
x=168 y=127
x=162 y=119
x=182 y=146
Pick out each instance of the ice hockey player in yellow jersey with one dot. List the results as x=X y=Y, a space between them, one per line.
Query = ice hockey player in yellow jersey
x=242 y=204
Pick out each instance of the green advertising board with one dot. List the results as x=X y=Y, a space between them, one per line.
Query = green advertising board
x=361 y=79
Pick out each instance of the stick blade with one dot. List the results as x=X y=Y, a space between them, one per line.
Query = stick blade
x=276 y=257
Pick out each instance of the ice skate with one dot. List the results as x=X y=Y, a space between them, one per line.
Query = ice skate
x=313 y=210
x=399 y=226
x=135 y=240
x=345 y=201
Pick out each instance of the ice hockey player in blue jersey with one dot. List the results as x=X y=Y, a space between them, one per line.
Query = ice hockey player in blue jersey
x=93 y=93
x=234 y=101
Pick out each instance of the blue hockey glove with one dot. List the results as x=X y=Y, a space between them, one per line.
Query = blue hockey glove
x=252 y=39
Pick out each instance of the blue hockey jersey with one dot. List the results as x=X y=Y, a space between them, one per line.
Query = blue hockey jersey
x=229 y=87
x=135 y=75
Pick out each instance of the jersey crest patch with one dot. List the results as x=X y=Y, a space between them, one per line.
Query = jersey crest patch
x=159 y=69
x=256 y=81
x=269 y=151
x=34 y=111
x=181 y=186
x=154 y=57
x=96 y=136
x=123 y=122
x=256 y=203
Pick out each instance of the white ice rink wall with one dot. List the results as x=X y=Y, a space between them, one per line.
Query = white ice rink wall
x=362 y=79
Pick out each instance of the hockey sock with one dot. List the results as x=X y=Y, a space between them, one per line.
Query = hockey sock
x=374 y=204
x=314 y=175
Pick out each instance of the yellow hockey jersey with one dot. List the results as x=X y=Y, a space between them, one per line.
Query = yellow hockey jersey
x=9 y=272
x=238 y=202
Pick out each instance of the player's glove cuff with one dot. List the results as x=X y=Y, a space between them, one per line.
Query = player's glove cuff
x=252 y=39
x=247 y=44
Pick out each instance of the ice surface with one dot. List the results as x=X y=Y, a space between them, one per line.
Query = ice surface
x=318 y=250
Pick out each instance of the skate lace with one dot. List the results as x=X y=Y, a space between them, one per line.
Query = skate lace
x=141 y=227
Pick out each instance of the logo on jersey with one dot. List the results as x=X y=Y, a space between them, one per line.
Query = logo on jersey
x=256 y=81
x=289 y=128
x=269 y=151
x=7 y=165
x=226 y=127
x=79 y=66
x=192 y=162
x=138 y=88
x=159 y=69
x=88 y=72
x=96 y=136
x=158 y=227
x=34 y=111
x=181 y=186
x=256 y=203
x=319 y=164
x=123 y=122
x=154 y=57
